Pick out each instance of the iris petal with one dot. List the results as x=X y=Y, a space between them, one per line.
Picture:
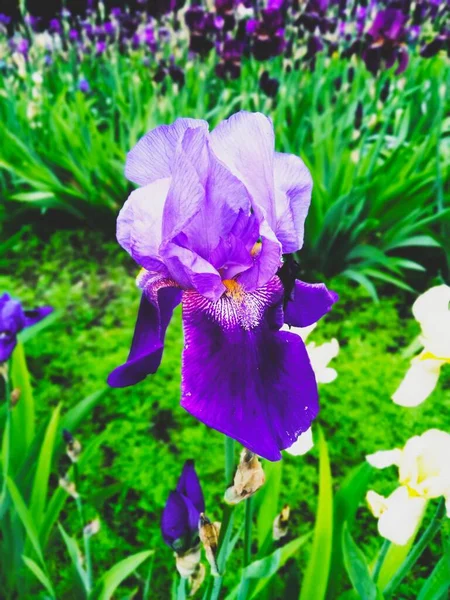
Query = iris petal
x=152 y=157
x=293 y=185
x=309 y=302
x=189 y=485
x=157 y=304
x=179 y=522
x=241 y=375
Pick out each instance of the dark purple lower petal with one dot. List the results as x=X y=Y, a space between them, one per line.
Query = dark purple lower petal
x=7 y=344
x=157 y=304
x=309 y=302
x=179 y=523
x=241 y=375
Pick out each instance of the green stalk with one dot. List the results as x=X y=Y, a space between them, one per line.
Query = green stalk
x=181 y=591
x=248 y=531
x=7 y=434
x=226 y=528
x=417 y=550
x=380 y=559
x=86 y=537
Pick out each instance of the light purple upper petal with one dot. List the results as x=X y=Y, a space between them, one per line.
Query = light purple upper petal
x=293 y=185
x=139 y=224
x=309 y=302
x=244 y=377
x=155 y=311
x=152 y=157
x=245 y=143
x=266 y=261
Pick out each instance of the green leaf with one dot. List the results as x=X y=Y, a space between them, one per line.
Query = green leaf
x=40 y=575
x=73 y=549
x=315 y=580
x=437 y=584
x=357 y=568
x=26 y=518
x=22 y=416
x=76 y=415
x=263 y=569
x=111 y=580
x=268 y=504
x=417 y=240
x=31 y=332
x=41 y=478
x=346 y=502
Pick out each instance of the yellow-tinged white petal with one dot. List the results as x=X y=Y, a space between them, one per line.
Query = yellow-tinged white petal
x=419 y=382
x=432 y=311
x=376 y=502
x=303 y=444
x=385 y=458
x=425 y=464
x=402 y=516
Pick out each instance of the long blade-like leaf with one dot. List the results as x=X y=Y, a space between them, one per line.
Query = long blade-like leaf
x=315 y=581
x=111 y=580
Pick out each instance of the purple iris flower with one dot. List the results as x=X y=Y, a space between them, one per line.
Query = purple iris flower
x=385 y=41
x=209 y=225
x=179 y=521
x=13 y=318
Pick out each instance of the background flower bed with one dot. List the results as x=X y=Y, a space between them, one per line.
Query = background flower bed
x=147 y=435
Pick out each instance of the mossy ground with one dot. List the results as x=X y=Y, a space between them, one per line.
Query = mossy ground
x=148 y=436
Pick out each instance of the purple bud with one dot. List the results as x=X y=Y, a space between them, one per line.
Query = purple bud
x=100 y=47
x=73 y=35
x=55 y=26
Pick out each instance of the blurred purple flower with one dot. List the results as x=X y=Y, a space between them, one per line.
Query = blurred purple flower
x=13 y=319
x=73 y=35
x=83 y=86
x=4 y=19
x=180 y=518
x=55 y=26
x=100 y=48
x=230 y=59
x=269 y=85
x=385 y=43
x=209 y=224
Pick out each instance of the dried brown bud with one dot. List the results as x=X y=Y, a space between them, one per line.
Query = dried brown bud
x=209 y=535
x=188 y=562
x=197 y=578
x=68 y=486
x=73 y=446
x=15 y=396
x=281 y=523
x=248 y=479
x=92 y=528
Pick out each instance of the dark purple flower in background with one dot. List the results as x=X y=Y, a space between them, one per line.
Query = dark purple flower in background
x=385 y=44
x=230 y=59
x=13 y=319
x=440 y=42
x=209 y=225
x=269 y=85
x=180 y=518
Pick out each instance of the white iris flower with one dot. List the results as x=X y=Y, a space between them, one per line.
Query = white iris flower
x=424 y=473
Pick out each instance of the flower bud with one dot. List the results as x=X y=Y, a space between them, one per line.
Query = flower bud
x=15 y=396
x=248 y=479
x=68 y=486
x=281 y=523
x=188 y=562
x=209 y=535
x=73 y=446
x=92 y=528
x=197 y=578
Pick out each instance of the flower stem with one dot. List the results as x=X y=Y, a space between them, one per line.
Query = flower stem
x=226 y=527
x=86 y=537
x=229 y=460
x=248 y=531
x=380 y=559
x=6 y=451
x=417 y=550
x=181 y=591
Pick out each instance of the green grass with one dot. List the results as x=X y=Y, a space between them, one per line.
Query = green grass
x=148 y=435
